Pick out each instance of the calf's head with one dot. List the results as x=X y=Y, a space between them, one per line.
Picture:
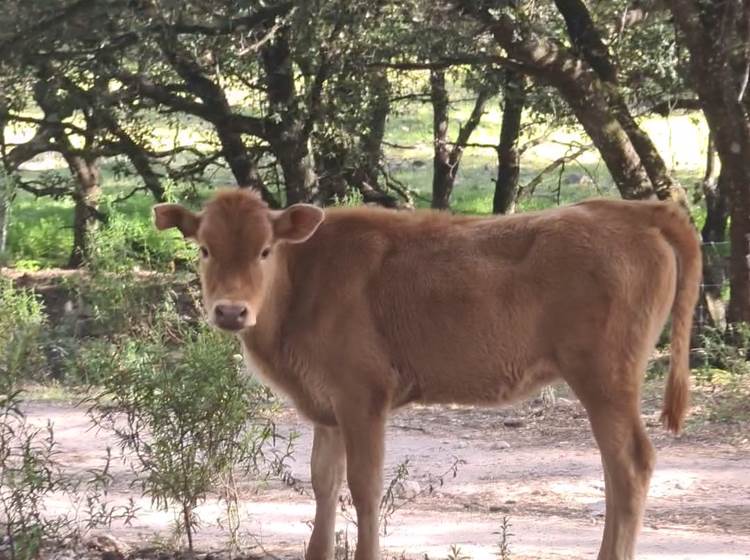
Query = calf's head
x=238 y=237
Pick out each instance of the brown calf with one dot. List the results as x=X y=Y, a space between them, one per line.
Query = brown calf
x=355 y=312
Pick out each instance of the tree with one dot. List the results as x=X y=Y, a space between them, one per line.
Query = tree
x=83 y=118
x=595 y=101
x=717 y=35
x=588 y=43
x=55 y=134
x=508 y=152
x=447 y=158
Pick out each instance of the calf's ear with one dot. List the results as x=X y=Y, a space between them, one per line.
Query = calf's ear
x=297 y=223
x=175 y=216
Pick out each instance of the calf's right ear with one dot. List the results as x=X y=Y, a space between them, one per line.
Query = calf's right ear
x=175 y=216
x=297 y=223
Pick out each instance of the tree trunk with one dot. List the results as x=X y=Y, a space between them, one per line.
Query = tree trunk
x=366 y=176
x=715 y=191
x=447 y=161
x=333 y=179
x=733 y=146
x=371 y=140
x=243 y=166
x=585 y=94
x=216 y=109
x=298 y=165
x=442 y=182
x=86 y=198
x=588 y=43
x=610 y=138
x=140 y=161
x=714 y=268
x=739 y=261
x=4 y=216
x=720 y=89
x=508 y=155
x=711 y=310
x=6 y=195
x=288 y=138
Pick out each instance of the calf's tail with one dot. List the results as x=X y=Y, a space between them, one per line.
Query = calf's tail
x=677 y=229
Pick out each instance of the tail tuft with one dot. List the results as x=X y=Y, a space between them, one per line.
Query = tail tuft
x=676 y=401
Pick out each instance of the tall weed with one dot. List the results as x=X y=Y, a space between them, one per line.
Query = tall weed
x=179 y=402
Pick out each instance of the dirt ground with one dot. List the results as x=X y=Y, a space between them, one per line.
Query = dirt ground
x=535 y=465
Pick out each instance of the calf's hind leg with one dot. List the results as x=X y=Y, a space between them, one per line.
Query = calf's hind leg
x=627 y=457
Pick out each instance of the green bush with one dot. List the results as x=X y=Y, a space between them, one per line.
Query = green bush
x=22 y=319
x=29 y=471
x=43 y=237
x=118 y=304
x=89 y=362
x=128 y=242
x=30 y=474
x=726 y=353
x=178 y=400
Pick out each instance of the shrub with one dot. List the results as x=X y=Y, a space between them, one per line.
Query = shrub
x=177 y=399
x=29 y=471
x=726 y=353
x=21 y=321
x=128 y=242
x=117 y=297
x=42 y=238
x=30 y=474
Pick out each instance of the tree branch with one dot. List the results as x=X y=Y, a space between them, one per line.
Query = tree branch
x=465 y=132
x=533 y=183
x=243 y=23
x=30 y=33
x=664 y=108
x=448 y=62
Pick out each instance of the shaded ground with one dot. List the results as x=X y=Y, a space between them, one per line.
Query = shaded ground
x=544 y=475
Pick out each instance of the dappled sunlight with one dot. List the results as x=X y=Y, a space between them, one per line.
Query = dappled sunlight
x=672 y=482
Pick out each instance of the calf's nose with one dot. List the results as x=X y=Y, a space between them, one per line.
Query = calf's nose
x=230 y=316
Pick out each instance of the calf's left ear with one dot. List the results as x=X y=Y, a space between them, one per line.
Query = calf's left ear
x=297 y=223
x=175 y=216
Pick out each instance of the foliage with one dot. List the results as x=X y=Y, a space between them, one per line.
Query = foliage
x=455 y=553
x=726 y=353
x=28 y=473
x=29 y=470
x=21 y=322
x=177 y=398
x=119 y=298
x=396 y=495
x=128 y=242
x=504 y=542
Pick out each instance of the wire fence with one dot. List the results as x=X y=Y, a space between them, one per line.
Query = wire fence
x=714 y=291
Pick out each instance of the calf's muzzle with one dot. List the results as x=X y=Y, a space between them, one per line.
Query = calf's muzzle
x=232 y=316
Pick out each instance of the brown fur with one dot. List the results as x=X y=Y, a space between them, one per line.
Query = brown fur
x=378 y=309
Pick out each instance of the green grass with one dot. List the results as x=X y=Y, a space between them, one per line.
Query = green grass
x=680 y=139
x=40 y=234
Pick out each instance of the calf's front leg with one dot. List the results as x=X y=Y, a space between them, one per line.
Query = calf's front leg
x=363 y=427
x=327 y=466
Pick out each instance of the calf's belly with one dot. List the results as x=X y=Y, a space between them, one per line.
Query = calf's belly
x=498 y=385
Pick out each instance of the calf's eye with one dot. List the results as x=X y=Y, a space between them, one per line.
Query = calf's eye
x=204 y=252
x=265 y=252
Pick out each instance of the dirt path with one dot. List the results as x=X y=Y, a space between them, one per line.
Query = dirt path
x=544 y=476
